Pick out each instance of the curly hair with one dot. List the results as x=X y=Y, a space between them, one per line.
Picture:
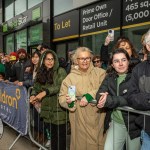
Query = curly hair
x=134 y=53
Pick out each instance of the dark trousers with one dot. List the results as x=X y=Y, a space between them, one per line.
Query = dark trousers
x=58 y=136
x=39 y=124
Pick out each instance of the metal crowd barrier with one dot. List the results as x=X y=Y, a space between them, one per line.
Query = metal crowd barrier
x=41 y=145
x=38 y=137
x=30 y=131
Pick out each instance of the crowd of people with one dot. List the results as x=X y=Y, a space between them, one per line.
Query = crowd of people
x=105 y=78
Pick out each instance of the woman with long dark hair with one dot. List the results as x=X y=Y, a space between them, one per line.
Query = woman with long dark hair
x=45 y=90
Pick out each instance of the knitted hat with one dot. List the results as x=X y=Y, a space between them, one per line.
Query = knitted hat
x=13 y=56
x=21 y=50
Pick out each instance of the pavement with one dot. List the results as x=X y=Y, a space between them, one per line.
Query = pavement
x=8 y=137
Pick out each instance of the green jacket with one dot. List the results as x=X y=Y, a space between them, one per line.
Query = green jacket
x=51 y=111
x=2 y=68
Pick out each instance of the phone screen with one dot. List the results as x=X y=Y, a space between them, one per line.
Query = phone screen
x=72 y=92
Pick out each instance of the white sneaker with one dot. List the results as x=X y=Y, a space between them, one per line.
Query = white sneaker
x=48 y=143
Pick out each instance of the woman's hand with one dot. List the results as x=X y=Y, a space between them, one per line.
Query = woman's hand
x=83 y=102
x=33 y=99
x=68 y=99
x=40 y=95
x=102 y=100
x=20 y=83
x=107 y=40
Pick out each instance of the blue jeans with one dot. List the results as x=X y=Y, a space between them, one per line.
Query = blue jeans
x=145 y=140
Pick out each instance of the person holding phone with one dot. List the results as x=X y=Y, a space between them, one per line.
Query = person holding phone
x=85 y=119
x=112 y=94
x=121 y=42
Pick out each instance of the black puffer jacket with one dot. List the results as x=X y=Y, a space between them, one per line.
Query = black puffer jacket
x=139 y=97
x=113 y=101
x=19 y=70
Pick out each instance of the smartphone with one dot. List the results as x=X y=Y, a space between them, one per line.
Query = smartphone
x=72 y=92
x=111 y=34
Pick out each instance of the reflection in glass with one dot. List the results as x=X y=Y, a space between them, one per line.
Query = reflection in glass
x=9 y=43
x=35 y=35
x=21 y=39
x=8 y=4
x=20 y=6
x=32 y=3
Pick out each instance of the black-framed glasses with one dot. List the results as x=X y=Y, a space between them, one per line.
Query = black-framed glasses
x=50 y=59
x=82 y=59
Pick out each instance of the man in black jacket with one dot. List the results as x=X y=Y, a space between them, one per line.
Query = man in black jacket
x=22 y=67
x=139 y=97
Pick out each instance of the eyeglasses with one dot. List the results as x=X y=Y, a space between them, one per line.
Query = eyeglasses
x=84 y=59
x=96 y=61
x=50 y=59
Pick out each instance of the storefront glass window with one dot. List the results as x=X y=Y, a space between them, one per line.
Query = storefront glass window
x=32 y=3
x=61 y=50
x=21 y=39
x=9 y=43
x=78 y=3
x=135 y=35
x=8 y=4
x=35 y=35
x=94 y=42
x=20 y=6
x=61 y=6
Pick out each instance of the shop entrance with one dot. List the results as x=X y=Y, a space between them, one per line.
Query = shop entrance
x=63 y=48
x=32 y=49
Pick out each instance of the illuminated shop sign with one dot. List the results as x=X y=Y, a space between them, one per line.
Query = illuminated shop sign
x=14 y=23
x=18 y=22
x=66 y=26
x=36 y=13
x=27 y=18
x=100 y=16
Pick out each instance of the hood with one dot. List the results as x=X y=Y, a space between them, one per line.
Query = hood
x=56 y=64
x=75 y=69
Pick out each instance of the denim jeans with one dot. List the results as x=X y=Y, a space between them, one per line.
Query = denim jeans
x=145 y=140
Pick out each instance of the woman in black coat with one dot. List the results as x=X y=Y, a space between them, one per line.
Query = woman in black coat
x=112 y=94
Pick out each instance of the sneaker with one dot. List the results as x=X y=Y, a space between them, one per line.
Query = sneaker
x=48 y=143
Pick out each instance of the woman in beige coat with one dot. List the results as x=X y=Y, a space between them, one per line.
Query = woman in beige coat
x=86 y=120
